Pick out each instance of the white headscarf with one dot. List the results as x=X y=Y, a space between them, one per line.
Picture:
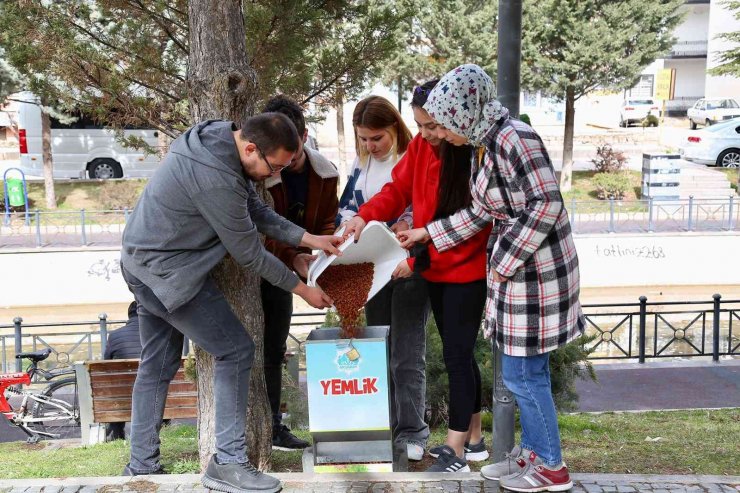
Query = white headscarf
x=464 y=101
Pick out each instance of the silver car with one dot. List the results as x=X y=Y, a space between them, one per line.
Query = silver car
x=710 y=111
x=716 y=145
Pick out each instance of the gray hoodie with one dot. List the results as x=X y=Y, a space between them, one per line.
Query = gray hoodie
x=198 y=206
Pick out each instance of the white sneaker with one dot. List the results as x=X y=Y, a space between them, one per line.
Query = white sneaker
x=414 y=451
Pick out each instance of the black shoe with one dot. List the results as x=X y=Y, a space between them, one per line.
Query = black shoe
x=127 y=471
x=283 y=439
x=238 y=478
x=447 y=461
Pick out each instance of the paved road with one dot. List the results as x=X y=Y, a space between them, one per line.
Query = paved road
x=661 y=385
x=377 y=483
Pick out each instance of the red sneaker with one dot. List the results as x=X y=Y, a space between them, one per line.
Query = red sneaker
x=536 y=477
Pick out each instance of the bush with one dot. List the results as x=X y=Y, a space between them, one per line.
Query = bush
x=296 y=402
x=567 y=364
x=118 y=195
x=650 y=121
x=611 y=185
x=609 y=160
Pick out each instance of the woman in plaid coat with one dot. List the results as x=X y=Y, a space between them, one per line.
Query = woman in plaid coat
x=532 y=306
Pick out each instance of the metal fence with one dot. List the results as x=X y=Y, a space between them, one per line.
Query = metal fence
x=656 y=330
x=653 y=215
x=641 y=331
x=86 y=340
x=105 y=228
x=62 y=228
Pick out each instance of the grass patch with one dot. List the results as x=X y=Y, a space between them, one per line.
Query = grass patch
x=585 y=190
x=690 y=442
x=21 y=460
x=733 y=175
x=74 y=195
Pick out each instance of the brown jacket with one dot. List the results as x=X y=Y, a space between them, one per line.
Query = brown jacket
x=322 y=203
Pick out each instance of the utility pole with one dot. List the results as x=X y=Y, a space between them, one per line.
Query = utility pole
x=508 y=88
x=509 y=54
x=400 y=93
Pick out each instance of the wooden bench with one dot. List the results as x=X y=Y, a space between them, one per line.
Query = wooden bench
x=105 y=389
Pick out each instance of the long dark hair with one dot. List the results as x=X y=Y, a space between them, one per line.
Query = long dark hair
x=453 y=193
x=421 y=93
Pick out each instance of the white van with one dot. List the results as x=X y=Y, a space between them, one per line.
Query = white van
x=82 y=149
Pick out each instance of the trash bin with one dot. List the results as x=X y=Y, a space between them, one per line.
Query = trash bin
x=661 y=176
x=16 y=195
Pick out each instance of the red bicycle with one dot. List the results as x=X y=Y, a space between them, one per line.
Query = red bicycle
x=52 y=413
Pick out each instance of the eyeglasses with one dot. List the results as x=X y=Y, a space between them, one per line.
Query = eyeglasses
x=421 y=91
x=273 y=169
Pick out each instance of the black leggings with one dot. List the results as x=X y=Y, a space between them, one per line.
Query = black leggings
x=458 y=309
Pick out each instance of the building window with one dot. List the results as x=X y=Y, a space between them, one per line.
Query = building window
x=530 y=99
x=643 y=88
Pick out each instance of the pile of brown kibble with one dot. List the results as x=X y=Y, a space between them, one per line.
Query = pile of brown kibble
x=348 y=286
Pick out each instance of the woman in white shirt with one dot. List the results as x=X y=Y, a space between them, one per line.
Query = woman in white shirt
x=381 y=139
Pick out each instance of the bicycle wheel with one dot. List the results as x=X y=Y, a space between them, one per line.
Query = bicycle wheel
x=60 y=423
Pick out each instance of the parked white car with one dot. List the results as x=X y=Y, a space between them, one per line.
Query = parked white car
x=636 y=110
x=710 y=111
x=82 y=149
x=716 y=145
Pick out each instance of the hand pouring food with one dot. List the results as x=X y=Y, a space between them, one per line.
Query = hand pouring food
x=377 y=245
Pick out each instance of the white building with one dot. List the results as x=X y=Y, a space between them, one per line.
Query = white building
x=696 y=51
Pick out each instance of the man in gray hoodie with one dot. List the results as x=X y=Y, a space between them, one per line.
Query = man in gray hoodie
x=200 y=205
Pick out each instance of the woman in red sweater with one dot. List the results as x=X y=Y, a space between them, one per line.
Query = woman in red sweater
x=434 y=178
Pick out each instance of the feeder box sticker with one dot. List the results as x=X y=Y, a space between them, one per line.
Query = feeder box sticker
x=347 y=386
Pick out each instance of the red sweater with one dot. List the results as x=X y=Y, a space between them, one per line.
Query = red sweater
x=415 y=180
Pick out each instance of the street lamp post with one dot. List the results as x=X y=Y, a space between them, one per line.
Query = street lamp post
x=508 y=90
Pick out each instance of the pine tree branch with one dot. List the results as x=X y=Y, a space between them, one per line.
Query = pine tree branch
x=134 y=56
x=156 y=18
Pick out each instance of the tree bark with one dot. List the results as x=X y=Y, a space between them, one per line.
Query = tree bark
x=221 y=84
x=566 y=175
x=51 y=197
x=341 y=140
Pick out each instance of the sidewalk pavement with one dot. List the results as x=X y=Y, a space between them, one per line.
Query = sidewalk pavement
x=661 y=385
x=378 y=483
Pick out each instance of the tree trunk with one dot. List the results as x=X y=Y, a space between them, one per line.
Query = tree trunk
x=566 y=175
x=221 y=84
x=341 y=141
x=51 y=197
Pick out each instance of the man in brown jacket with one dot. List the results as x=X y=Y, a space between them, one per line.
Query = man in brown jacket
x=306 y=194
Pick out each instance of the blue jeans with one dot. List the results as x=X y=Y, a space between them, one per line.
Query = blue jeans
x=404 y=305
x=528 y=378
x=208 y=321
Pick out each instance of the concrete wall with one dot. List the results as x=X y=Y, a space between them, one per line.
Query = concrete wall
x=658 y=259
x=695 y=26
x=690 y=76
x=92 y=276
x=721 y=20
x=63 y=277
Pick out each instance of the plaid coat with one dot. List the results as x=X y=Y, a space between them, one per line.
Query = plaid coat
x=537 y=310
